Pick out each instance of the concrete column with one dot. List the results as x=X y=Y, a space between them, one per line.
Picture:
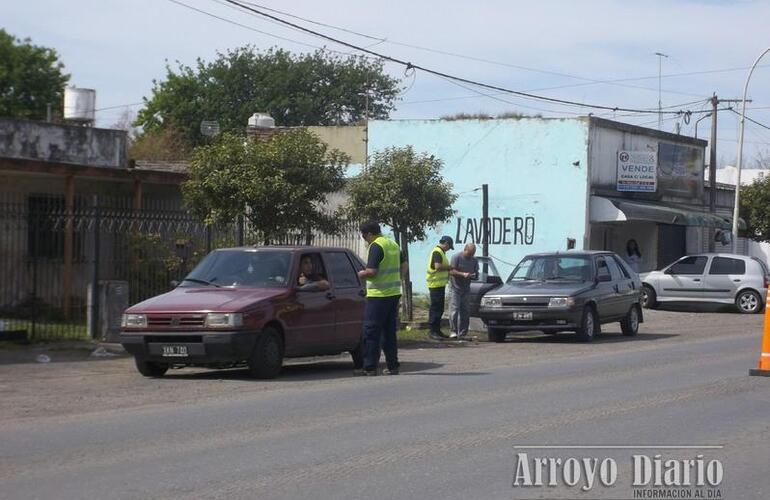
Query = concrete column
x=137 y=194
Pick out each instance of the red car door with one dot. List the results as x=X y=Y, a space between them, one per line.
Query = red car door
x=349 y=296
x=309 y=318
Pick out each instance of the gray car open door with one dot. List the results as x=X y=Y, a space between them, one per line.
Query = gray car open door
x=488 y=279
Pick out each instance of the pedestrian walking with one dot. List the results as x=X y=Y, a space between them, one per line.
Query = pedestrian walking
x=437 y=277
x=385 y=264
x=464 y=268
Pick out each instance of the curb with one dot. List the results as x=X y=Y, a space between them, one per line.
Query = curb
x=421 y=325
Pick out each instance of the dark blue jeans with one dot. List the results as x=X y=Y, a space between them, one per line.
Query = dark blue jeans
x=437 y=296
x=380 y=324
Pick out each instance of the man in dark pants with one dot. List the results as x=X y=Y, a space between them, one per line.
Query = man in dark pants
x=385 y=265
x=437 y=278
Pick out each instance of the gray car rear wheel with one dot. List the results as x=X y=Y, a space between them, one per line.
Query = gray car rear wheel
x=630 y=324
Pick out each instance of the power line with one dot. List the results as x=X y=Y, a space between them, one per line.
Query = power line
x=589 y=81
x=556 y=73
x=496 y=98
x=440 y=73
x=250 y=28
x=747 y=142
x=120 y=106
x=318 y=23
x=673 y=106
x=751 y=120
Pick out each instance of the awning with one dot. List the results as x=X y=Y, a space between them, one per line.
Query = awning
x=621 y=209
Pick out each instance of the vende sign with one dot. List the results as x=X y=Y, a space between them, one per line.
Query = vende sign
x=637 y=171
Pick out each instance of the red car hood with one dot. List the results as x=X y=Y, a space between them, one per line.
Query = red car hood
x=205 y=300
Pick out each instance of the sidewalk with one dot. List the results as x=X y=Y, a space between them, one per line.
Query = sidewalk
x=52 y=352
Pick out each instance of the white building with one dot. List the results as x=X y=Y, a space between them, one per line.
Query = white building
x=727 y=176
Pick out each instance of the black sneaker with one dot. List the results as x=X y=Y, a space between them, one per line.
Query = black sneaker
x=390 y=371
x=435 y=336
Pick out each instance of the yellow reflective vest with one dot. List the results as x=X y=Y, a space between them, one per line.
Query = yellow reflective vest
x=387 y=282
x=437 y=279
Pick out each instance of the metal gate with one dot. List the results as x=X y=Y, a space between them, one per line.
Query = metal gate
x=49 y=257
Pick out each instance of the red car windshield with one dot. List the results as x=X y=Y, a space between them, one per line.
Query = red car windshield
x=241 y=268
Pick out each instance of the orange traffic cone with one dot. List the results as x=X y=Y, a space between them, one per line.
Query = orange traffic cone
x=764 y=357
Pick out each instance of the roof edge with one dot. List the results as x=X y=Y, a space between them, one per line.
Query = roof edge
x=636 y=129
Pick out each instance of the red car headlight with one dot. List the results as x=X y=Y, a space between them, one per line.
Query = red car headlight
x=224 y=320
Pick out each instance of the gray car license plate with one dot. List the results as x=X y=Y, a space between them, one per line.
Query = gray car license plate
x=522 y=316
x=175 y=351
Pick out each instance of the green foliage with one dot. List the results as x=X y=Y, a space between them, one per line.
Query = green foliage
x=403 y=190
x=755 y=208
x=486 y=116
x=279 y=184
x=305 y=89
x=31 y=77
x=152 y=266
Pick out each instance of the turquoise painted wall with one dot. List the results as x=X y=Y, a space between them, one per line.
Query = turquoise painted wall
x=537 y=197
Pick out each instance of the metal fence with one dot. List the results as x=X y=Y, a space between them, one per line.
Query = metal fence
x=50 y=257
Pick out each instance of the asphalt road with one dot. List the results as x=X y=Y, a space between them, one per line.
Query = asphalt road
x=449 y=427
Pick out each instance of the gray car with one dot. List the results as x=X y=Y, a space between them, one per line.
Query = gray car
x=574 y=291
x=718 y=278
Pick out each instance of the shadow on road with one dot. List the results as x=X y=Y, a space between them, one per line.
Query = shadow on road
x=297 y=371
x=571 y=338
x=454 y=374
x=697 y=308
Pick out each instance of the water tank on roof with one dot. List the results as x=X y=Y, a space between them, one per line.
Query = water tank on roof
x=261 y=120
x=79 y=105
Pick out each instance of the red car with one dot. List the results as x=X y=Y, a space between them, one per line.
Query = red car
x=252 y=307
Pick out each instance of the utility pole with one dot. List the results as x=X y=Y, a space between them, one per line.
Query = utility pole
x=485 y=226
x=366 y=125
x=485 y=220
x=660 y=55
x=713 y=167
x=715 y=102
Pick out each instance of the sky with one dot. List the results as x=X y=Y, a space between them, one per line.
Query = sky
x=564 y=49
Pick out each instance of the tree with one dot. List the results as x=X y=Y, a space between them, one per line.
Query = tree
x=280 y=185
x=126 y=122
x=405 y=191
x=755 y=200
x=296 y=90
x=164 y=144
x=762 y=161
x=31 y=78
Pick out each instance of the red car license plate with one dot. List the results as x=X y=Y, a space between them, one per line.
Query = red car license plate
x=522 y=316
x=175 y=351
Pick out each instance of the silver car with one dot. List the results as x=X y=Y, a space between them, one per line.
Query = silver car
x=716 y=277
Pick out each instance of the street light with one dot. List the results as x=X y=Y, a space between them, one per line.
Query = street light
x=740 y=152
x=660 y=55
x=698 y=121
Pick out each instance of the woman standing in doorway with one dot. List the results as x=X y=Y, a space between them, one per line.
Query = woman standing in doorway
x=633 y=255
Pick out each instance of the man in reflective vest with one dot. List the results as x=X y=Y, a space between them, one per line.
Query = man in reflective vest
x=437 y=278
x=384 y=267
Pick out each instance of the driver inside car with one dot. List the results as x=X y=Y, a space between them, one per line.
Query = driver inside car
x=309 y=280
